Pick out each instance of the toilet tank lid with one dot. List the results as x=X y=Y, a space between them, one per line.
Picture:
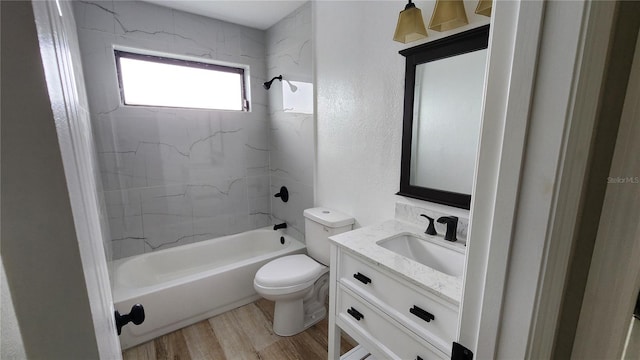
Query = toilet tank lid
x=328 y=217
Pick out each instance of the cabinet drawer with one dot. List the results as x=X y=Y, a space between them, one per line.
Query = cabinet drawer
x=381 y=331
x=428 y=316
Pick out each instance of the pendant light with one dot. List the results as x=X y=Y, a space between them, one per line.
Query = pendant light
x=410 y=25
x=484 y=7
x=447 y=15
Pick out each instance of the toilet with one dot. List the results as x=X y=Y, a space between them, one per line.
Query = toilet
x=299 y=284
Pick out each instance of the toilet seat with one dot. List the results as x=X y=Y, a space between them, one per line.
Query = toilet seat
x=289 y=273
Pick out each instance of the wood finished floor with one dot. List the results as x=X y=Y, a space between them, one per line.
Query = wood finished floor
x=243 y=333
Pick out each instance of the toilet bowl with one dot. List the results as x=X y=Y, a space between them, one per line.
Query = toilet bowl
x=299 y=284
x=295 y=283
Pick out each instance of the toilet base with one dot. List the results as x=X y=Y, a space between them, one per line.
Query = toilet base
x=288 y=317
x=291 y=317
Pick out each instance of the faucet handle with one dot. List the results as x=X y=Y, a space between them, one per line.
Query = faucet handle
x=431 y=229
x=283 y=194
x=452 y=227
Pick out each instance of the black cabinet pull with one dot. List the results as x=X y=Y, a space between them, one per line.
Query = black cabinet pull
x=422 y=314
x=363 y=279
x=418 y=358
x=355 y=313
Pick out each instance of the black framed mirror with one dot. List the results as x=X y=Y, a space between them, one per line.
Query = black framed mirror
x=444 y=84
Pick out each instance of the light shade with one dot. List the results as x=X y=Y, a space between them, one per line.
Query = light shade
x=410 y=25
x=484 y=7
x=447 y=15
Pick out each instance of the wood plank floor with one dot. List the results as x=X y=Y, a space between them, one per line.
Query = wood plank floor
x=243 y=333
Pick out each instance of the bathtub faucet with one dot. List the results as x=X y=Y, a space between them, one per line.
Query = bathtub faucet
x=280 y=226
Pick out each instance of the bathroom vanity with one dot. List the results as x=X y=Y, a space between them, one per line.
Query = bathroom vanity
x=396 y=291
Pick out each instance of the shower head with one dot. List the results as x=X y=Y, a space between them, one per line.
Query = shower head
x=267 y=85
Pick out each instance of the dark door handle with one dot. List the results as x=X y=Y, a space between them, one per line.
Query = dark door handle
x=418 y=358
x=136 y=316
x=363 y=279
x=355 y=313
x=422 y=314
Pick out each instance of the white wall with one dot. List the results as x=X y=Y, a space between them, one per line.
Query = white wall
x=360 y=92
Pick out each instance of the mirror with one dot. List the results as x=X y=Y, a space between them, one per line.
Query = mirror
x=444 y=85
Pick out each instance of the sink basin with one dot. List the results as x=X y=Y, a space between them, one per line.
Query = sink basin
x=437 y=257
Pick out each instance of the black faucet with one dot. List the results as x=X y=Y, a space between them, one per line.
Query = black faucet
x=280 y=226
x=452 y=227
x=431 y=230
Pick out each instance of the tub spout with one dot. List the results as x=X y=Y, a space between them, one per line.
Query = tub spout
x=280 y=226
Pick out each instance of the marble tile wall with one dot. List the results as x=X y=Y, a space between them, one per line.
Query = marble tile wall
x=176 y=176
x=289 y=53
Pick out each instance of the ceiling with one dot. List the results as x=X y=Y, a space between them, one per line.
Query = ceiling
x=259 y=14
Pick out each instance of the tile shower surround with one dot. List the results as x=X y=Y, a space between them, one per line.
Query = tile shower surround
x=176 y=176
x=291 y=134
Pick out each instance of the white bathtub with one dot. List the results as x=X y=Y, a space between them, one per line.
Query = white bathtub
x=183 y=285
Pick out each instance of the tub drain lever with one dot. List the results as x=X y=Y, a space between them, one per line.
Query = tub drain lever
x=136 y=316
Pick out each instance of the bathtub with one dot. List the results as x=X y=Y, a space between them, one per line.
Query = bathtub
x=186 y=284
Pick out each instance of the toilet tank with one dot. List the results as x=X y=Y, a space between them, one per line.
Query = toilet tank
x=320 y=223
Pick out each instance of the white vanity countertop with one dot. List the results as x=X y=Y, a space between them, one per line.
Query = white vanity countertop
x=362 y=242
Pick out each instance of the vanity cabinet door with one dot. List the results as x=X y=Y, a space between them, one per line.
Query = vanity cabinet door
x=423 y=313
x=379 y=333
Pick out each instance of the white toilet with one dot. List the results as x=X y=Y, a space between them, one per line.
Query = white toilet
x=299 y=284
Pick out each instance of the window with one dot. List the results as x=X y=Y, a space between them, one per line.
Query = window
x=150 y=80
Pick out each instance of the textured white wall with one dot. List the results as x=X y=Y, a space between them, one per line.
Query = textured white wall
x=360 y=90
